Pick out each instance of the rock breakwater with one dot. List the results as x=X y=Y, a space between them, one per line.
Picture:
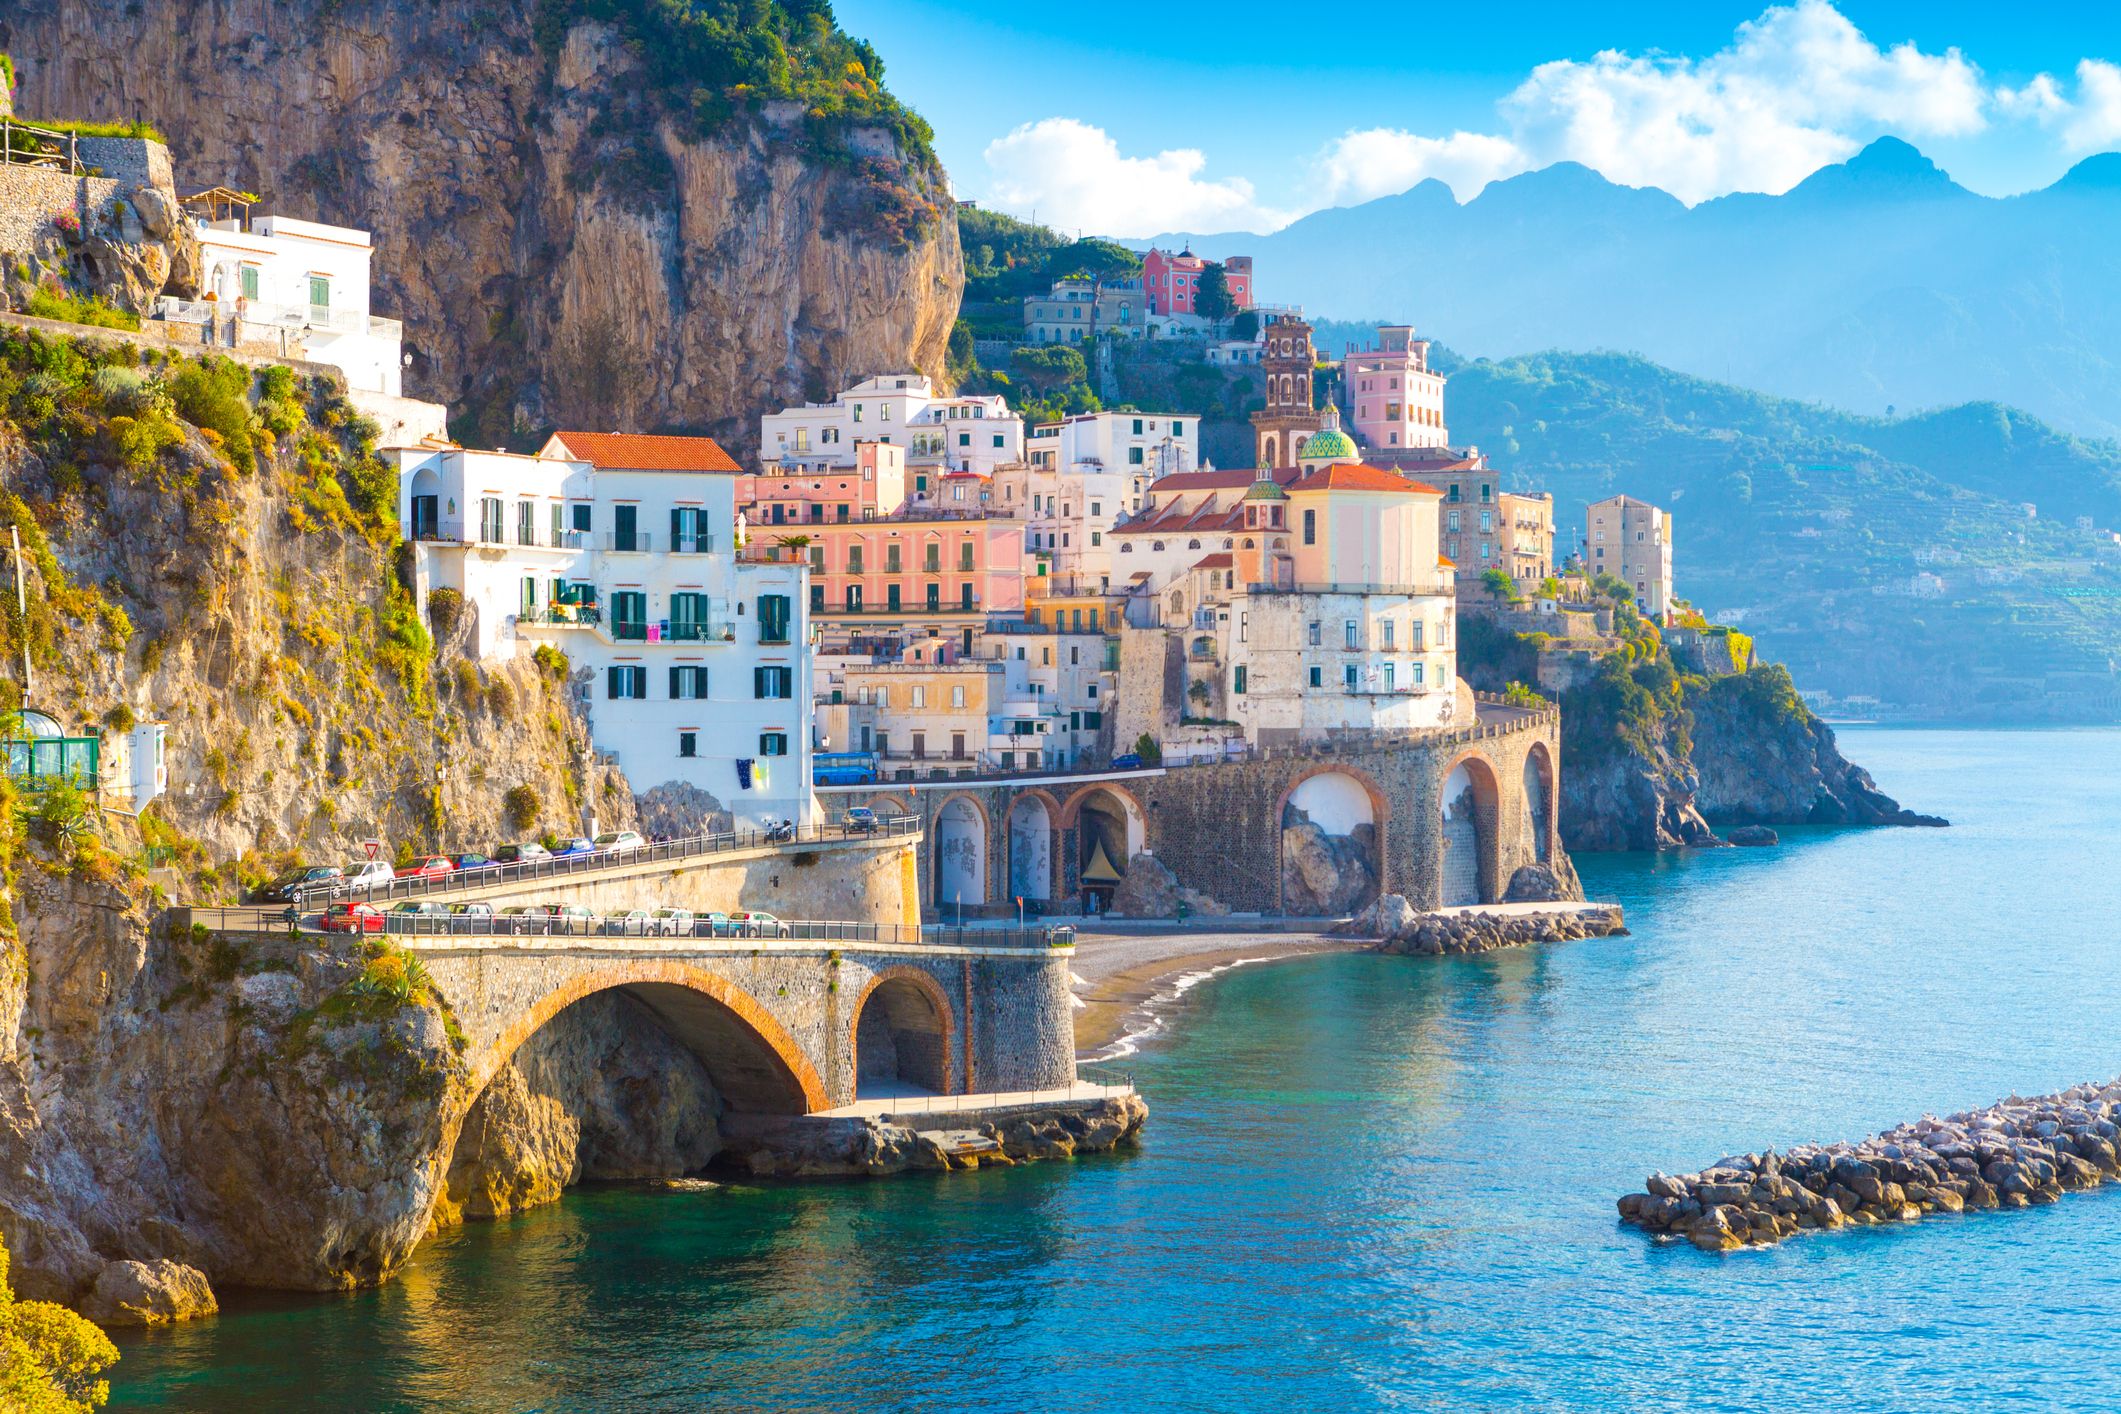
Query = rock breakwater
x=1402 y=931
x=2016 y=1153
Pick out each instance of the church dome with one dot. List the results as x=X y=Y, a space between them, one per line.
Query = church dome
x=1329 y=444
x=1266 y=489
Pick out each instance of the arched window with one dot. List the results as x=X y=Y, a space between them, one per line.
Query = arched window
x=1178 y=602
x=1228 y=543
x=1248 y=542
x=1156 y=545
x=1192 y=544
x=1126 y=547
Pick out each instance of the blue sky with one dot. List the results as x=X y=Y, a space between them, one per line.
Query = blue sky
x=1130 y=119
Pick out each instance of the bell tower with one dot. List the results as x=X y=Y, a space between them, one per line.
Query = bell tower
x=1289 y=417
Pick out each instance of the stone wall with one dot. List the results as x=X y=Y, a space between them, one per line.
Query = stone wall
x=1218 y=827
x=31 y=196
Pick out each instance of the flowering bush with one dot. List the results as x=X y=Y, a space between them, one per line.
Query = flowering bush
x=67 y=222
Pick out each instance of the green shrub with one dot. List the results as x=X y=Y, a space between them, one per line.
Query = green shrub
x=445 y=609
x=500 y=697
x=551 y=661
x=213 y=394
x=523 y=805
x=50 y=302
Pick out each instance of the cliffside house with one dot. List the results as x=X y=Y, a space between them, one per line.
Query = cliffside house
x=1631 y=540
x=939 y=433
x=299 y=289
x=692 y=664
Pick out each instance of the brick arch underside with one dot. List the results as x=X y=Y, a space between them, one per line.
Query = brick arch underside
x=756 y=1065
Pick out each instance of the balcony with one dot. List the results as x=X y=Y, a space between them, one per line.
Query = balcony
x=620 y=542
x=692 y=545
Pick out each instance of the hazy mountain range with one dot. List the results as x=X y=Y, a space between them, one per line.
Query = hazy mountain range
x=1878 y=283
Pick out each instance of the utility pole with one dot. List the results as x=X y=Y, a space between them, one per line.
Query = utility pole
x=14 y=535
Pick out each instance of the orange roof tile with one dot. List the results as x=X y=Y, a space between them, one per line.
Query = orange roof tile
x=1353 y=476
x=635 y=451
x=1221 y=560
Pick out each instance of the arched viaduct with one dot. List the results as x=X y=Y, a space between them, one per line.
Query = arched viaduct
x=1450 y=817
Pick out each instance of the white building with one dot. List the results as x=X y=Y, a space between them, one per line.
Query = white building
x=693 y=666
x=301 y=286
x=1085 y=474
x=940 y=433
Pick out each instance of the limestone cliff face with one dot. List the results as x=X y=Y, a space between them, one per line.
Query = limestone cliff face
x=559 y=248
x=1766 y=759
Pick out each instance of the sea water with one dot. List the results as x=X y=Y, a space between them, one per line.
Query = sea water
x=1386 y=1183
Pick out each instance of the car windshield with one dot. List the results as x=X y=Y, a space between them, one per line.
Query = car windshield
x=609 y=838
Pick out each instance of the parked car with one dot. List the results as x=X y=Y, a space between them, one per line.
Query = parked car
x=471 y=859
x=470 y=917
x=753 y=924
x=417 y=908
x=433 y=867
x=351 y=917
x=289 y=886
x=368 y=874
x=717 y=924
x=1127 y=761
x=633 y=923
x=619 y=842
x=575 y=846
x=544 y=918
x=672 y=922
x=521 y=853
x=861 y=818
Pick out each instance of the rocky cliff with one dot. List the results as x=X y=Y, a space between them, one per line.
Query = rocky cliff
x=211 y=547
x=565 y=236
x=1651 y=756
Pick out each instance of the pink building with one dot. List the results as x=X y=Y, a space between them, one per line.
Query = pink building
x=914 y=570
x=1170 y=283
x=874 y=486
x=1398 y=401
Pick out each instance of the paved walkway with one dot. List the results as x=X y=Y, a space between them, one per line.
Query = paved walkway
x=962 y=1104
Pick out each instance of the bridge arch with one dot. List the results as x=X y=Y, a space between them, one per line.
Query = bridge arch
x=1540 y=804
x=756 y=1064
x=1110 y=828
x=1336 y=865
x=902 y=1037
x=961 y=833
x=1032 y=822
x=1470 y=812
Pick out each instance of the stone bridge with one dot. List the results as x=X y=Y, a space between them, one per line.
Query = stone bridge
x=781 y=1027
x=1444 y=817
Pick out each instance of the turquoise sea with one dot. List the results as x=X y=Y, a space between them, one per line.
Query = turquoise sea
x=1375 y=1183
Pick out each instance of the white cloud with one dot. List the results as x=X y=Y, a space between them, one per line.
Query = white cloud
x=1076 y=178
x=1376 y=162
x=2089 y=122
x=1797 y=88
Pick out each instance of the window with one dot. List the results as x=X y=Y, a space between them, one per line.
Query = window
x=772 y=682
x=1178 y=429
x=1348 y=676
x=964 y=596
x=622 y=683
x=580 y=511
x=248 y=287
x=1350 y=633
x=964 y=439
x=920 y=696
x=1415 y=643
x=773 y=743
x=964 y=555
x=490 y=519
x=559 y=524
x=529 y=607
x=1134 y=456
x=688 y=743
x=817 y=598
x=1237 y=679
x=689 y=612
x=920 y=746
x=1417 y=675
x=854 y=596
x=854 y=558
x=935 y=597
x=1388 y=635
x=688 y=530
x=688 y=683
x=320 y=291
x=1311 y=632
x=1388 y=677
x=997 y=439
x=891 y=598
x=935 y=558
x=957 y=746
x=1318 y=677
x=773 y=618
x=957 y=696
x=1310 y=527
x=1137 y=427
x=629 y=615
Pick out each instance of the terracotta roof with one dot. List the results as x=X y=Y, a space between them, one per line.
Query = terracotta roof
x=1354 y=476
x=1236 y=480
x=634 y=451
x=1221 y=560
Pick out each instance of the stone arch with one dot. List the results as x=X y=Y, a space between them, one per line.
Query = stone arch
x=960 y=852
x=1108 y=817
x=902 y=1036
x=1469 y=808
x=886 y=806
x=756 y=1064
x=1270 y=452
x=1539 y=801
x=1332 y=821
x=1032 y=822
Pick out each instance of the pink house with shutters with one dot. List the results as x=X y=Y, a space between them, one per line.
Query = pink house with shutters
x=1171 y=283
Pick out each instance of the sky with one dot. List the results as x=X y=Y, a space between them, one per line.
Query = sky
x=1130 y=120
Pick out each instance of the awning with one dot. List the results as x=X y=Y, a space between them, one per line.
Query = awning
x=1099 y=870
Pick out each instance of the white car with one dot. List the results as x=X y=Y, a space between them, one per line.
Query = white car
x=619 y=842
x=672 y=922
x=366 y=875
x=634 y=923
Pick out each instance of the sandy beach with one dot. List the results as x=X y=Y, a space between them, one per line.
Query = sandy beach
x=1130 y=978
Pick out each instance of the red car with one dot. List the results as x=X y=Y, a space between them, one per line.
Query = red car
x=352 y=918
x=439 y=864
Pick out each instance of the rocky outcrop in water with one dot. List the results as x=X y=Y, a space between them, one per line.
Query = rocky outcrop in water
x=2014 y=1154
x=1766 y=759
x=1401 y=930
x=842 y=1147
x=559 y=237
x=149 y=1294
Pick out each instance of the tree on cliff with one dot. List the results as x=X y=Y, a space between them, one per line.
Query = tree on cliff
x=1212 y=301
x=49 y=1357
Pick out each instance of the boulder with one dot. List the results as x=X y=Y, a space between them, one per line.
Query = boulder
x=1753 y=836
x=149 y=1294
x=1536 y=883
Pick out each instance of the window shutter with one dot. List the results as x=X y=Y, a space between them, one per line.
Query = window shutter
x=758 y=682
x=677 y=526
x=677 y=680
x=611 y=682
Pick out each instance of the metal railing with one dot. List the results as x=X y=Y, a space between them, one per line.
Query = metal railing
x=571 y=865
x=701 y=928
x=637 y=542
